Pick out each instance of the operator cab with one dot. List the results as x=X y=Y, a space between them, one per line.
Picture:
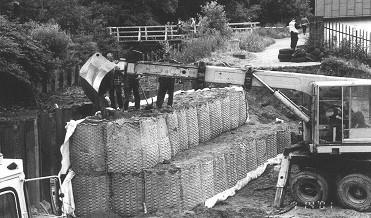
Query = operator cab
x=341 y=122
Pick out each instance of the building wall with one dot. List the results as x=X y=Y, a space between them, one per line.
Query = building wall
x=342 y=8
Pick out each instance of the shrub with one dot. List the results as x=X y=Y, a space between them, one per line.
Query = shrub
x=334 y=66
x=20 y=55
x=52 y=37
x=195 y=49
x=213 y=19
x=252 y=41
x=275 y=33
x=351 y=50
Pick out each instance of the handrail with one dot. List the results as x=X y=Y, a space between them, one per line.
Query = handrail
x=165 y=32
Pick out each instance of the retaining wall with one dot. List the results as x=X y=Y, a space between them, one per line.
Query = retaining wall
x=121 y=162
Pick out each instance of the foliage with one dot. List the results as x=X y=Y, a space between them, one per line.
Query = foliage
x=351 y=50
x=195 y=49
x=275 y=33
x=283 y=10
x=52 y=37
x=213 y=18
x=252 y=41
x=335 y=66
x=22 y=56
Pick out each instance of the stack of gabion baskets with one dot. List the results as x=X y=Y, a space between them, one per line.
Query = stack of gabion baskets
x=88 y=159
x=119 y=163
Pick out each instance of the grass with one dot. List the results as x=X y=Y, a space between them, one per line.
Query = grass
x=253 y=41
x=337 y=66
x=195 y=49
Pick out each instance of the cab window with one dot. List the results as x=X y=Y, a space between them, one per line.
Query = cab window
x=8 y=204
x=357 y=123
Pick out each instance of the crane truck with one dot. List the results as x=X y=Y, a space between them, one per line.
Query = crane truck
x=331 y=161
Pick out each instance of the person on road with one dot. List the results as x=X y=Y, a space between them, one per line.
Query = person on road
x=304 y=24
x=294 y=33
x=132 y=81
x=166 y=85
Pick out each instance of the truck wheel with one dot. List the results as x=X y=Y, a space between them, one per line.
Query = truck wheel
x=308 y=186
x=354 y=191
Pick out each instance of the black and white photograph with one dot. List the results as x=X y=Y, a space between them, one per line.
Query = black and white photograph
x=185 y=108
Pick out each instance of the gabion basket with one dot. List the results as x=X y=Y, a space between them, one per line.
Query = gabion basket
x=91 y=194
x=88 y=148
x=191 y=184
x=226 y=114
x=127 y=193
x=216 y=122
x=162 y=188
x=173 y=129
x=183 y=131
x=231 y=168
x=271 y=143
x=124 y=152
x=240 y=150
x=261 y=151
x=207 y=177
x=243 y=108
x=163 y=140
x=192 y=127
x=283 y=140
x=150 y=142
x=203 y=117
x=251 y=156
x=220 y=175
x=235 y=109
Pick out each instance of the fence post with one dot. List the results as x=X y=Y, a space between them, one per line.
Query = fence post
x=145 y=32
x=117 y=34
x=165 y=32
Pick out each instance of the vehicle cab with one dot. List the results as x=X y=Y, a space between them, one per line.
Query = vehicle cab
x=12 y=178
x=341 y=117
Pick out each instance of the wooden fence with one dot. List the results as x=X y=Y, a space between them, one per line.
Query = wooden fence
x=60 y=79
x=340 y=36
x=165 y=32
x=35 y=137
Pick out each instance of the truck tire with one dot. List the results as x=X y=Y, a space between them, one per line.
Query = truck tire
x=288 y=51
x=308 y=186
x=354 y=191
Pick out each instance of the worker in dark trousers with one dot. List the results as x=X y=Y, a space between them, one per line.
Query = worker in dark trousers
x=166 y=85
x=132 y=81
x=115 y=89
x=294 y=32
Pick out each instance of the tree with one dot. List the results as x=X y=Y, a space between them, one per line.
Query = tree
x=213 y=18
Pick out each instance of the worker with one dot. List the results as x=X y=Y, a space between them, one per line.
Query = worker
x=294 y=32
x=131 y=81
x=334 y=120
x=166 y=85
x=304 y=24
x=115 y=91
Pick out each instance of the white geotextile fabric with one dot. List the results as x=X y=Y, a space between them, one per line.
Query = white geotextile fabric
x=243 y=182
x=66 y=188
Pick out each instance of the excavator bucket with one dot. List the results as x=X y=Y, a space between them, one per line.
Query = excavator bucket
x=92 y=73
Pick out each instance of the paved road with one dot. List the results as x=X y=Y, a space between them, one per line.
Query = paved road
x=269 y=57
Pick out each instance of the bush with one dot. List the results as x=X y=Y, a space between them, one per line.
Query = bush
x=21 y=56
x=213 y=19
x=334 y=66
x=275 y=33
x=53 y=38
x=351 y=50
x=252 y=41
x=195 y=49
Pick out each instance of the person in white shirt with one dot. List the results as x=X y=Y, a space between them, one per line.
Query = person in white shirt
x=294 y=32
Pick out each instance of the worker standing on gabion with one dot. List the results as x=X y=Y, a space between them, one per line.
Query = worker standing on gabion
x=115 y=92
x=132 y=81
x=166 y=85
